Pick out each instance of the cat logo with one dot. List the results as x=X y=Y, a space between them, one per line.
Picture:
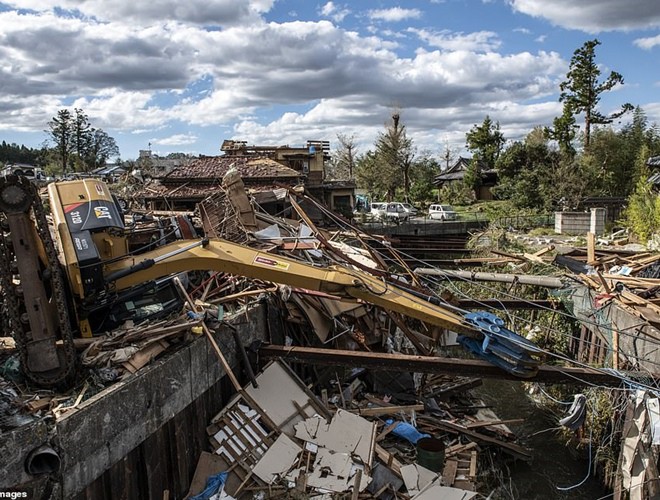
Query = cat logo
x=102 y=212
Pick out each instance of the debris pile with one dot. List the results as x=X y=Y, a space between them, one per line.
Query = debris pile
x=277 y=437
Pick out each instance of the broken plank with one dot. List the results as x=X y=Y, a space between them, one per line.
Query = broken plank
x=511 y=448
x=475 y=425
x=388 y=459
x=387 y=410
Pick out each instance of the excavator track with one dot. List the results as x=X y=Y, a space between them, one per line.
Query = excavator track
x=44 y=340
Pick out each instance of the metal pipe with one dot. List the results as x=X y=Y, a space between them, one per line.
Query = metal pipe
x=43 y=460
x=545 y=281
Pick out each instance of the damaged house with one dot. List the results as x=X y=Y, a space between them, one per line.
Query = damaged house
x=185 y=186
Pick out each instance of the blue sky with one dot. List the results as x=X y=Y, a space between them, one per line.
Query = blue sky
x=184 y=76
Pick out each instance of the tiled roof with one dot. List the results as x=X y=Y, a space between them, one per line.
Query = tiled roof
x=196 y=190
x=215 y=167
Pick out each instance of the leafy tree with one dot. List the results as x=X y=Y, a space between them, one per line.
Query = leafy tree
x=369 y=176
x=485 y=142
x=525 y=173
x=472 y=178
x=456 y=193
x=395 y=152
x=13 y=153
x=642 y=214
x=81 y=137
x=101 y=148
x=422 y=173
x=60 y=129
x=571 y=181
x=581 y=91
x=77 y=143
x=615 y=157
x=564 y=131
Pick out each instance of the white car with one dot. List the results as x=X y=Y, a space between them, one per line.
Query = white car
x=397 y=212
x=442 y=212
x=378 y=209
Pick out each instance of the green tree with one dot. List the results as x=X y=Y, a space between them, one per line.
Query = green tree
x=573 y=180
x=101 y=148
x=564 y=130
x=81 y=137
x=395 y=153
x=615 y=155
x=642 y=215
x=581 y=91
x=60 y=129
x=371 y=176
x=77 y=143
x=485 y=142
x=422 y=173
x=525 y=172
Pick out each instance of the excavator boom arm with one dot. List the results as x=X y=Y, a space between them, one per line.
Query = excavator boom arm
x=224 y=256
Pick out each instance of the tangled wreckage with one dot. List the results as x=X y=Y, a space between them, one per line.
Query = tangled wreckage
x=94 y=294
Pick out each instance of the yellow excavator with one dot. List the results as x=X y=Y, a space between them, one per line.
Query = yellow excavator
x=86 y=271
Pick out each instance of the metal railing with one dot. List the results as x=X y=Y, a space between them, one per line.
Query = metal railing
x=517 y=222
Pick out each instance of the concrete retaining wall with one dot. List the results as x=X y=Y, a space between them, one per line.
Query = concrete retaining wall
x=580 y=222
x=109 y=427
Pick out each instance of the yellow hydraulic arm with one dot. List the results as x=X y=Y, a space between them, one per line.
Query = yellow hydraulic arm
x=224 y=256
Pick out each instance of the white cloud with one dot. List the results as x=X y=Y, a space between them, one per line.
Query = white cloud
x=207 y=12
x=156 y=77
x=394 y=14
x=524 y=31
x=540 y=38
x=647 y=43
x=593 y=16
x=481 y=41
x=176 y=140
x=334 y=12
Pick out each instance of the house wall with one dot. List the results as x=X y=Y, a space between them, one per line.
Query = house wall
x=484 y=193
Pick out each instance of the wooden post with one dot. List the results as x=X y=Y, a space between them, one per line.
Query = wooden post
x=591 y=248
x=592 y=347
x=615 y=348
x=209 y=335
x=582 y=343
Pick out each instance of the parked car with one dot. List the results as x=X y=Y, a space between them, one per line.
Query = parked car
x=442 y=212
x=395 y=211
x=412 y=211
x=378 y=209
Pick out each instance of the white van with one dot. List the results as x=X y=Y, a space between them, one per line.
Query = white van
x=442 y=212
x=397 y=212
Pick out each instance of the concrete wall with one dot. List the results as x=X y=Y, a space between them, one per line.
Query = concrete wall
x=108 y=427
x=580 y=222
x=425 y=227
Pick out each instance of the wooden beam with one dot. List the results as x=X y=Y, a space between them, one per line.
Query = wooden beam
x=424 y=364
